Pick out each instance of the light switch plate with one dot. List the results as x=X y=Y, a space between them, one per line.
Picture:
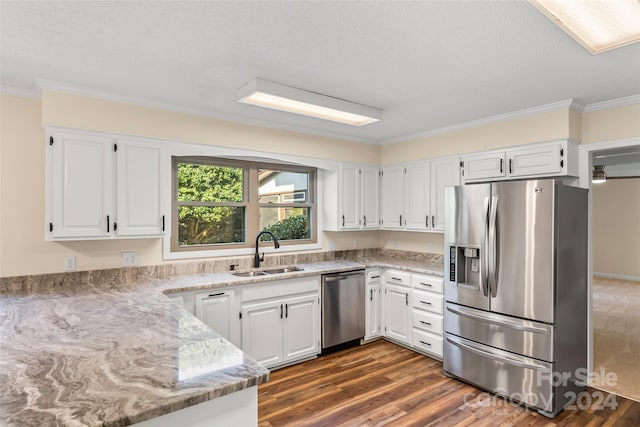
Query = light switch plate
x=129 y=259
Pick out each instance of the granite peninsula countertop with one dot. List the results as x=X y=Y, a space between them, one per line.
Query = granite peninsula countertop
x=114 y=354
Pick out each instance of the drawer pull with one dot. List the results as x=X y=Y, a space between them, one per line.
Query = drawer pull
x=425 y=343
x=216 y=295
x=396 y=278
x=375 y=277
x=426 y=302
x=426 y=284
x=425 y=323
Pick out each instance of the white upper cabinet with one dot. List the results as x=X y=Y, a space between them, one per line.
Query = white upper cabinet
x=351 y=198
x=100 y=187
x=484 y=166
x=413 y=194
x=558 y=158
x=79 y=185
x=392 y=197
x=444 y=173
x=139 y=192
x=370 y=197
x=416 y=196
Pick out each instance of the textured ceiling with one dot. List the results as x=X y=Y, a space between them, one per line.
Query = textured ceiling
x=428 y=65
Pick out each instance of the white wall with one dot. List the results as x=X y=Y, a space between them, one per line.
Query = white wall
x=616 y=227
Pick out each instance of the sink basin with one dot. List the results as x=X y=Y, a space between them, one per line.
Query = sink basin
x=250 y=274
x=282 y=270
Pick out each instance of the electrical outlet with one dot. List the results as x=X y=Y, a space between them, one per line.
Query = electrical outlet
x=70 y=263
x=395 y=244
x=129 y=259
x=429 y=247
x=355 y=243
x=332 y=245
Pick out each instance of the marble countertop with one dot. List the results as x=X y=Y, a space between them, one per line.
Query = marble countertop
x=117 y=354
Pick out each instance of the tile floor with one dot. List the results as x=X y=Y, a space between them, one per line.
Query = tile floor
x=616 y=330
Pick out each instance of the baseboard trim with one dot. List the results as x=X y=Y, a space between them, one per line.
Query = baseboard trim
x=617 y=276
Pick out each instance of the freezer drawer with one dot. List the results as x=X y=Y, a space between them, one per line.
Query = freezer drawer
x=520 y=378
x=533 y=339
x=427 y=342
x=429 y=322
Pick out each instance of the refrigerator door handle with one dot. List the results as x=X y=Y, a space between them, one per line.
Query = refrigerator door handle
x=493 y=243
x=484 y=263
x=500 y=322
x=499 y=358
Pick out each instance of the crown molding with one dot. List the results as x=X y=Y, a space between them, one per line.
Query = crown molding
x=19 y=91
x=614 y=103
x=77 y=90
x=569 y=104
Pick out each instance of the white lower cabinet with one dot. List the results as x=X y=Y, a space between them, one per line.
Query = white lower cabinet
x=397 y=313
x=220 y=311
x=281 y=321
x=428 y=306
x=373 y=309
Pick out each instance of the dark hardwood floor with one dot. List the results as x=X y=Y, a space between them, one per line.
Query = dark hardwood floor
x=382 y=384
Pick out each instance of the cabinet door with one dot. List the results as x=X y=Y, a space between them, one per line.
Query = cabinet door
x=416 y=197
x=349 y=197
x=370 y=197
x=139 y=170
x=535 y=161
x=444 y=173
x=262 y=332
x=372 y=311
x=300 y=328
x=392 y=197
x=219 y=311
x=484 y=166
x=82 y=185
x=398 y=313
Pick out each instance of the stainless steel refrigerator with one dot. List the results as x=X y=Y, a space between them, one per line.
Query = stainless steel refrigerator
x=516 y=290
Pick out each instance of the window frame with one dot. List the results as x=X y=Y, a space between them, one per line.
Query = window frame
x=250 y=202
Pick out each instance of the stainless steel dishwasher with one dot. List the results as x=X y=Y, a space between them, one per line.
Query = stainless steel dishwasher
x=343 y=302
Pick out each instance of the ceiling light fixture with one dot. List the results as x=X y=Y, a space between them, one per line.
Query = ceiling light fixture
x=284 y=98
x=598 y=25
x=599 y=176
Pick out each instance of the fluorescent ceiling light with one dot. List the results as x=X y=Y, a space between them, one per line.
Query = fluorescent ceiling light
x=284 y=98
x=598 y=25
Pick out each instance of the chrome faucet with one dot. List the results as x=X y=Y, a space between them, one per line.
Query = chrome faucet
x=257 y=258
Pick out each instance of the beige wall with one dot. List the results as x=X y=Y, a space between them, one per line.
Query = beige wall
x=22 y=246
x=23 y=249
x=611 y=125
x=521 y=130
x=616 y=230
x=62 y=109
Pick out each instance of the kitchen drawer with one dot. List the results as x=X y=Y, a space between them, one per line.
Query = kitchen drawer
x=427 y=321
x=373 y=276
x=427 y=283
x=427 y=342
x=427 y=301
x=398 y=277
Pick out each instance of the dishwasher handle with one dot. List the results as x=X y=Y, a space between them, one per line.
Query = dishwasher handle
x=341 y=276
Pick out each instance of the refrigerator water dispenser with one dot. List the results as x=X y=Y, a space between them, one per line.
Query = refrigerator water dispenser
x=464 y=265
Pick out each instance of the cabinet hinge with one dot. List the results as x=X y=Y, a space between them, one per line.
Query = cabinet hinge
x=50 y=227
x=115 y=147
x=50 y=140
x=240 y=315
x=561 y=163
x=462 y=168
x=385 y=329
x=115 y=226
x=561 y=152
x=405 y=171
x=359 y=171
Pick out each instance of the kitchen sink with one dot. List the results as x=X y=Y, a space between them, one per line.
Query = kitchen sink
x=250 y=274
x=282 y=270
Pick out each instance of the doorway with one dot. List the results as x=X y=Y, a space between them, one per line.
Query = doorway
x=615 y=260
